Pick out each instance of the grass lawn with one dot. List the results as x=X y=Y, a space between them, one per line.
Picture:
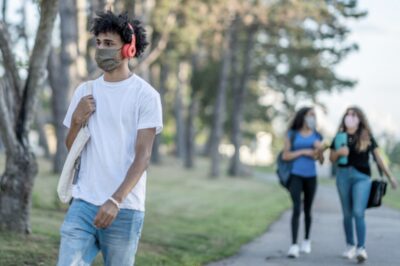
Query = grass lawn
x=392 y=197
x=190 y=218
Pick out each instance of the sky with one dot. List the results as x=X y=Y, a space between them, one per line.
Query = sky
x=376 y=68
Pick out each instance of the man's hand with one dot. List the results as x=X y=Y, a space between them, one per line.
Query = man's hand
x=85 y=108
x=106 y=214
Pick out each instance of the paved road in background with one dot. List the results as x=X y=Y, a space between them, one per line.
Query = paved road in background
x=383 y=238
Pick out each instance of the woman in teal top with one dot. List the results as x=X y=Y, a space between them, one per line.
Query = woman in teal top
x=302 y=146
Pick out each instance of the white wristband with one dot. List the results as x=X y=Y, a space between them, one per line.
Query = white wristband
x=114 y=201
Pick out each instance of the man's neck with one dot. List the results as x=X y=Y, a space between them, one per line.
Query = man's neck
x=118 y=74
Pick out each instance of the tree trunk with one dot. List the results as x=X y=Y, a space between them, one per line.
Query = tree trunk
x=145 y=7
x=220 y=102
x=130 y=7
x=155 y=155
x=16 y=189
x=179 y=115
x=59 y=107
x=68 y=64
x=190 y=129
x=39 y=118
x=82 y=37
x=4 y=10
x=190 y=132
x=239 y=95
x=15 y=122
x=40 y=126
x=94 y=6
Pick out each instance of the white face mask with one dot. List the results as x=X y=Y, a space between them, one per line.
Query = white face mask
x=351 y=121
x=311 y=122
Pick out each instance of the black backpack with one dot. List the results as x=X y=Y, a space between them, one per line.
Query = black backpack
x=284 y=167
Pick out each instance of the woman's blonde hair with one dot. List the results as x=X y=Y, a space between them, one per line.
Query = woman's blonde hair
x=363 y=134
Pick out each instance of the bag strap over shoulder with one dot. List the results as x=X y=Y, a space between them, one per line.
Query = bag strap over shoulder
x=380 y=171
x=89 y=87
x=377 y=165
x=89 y=91
x=292 y=136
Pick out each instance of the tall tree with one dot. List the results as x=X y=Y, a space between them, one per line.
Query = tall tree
x=191 y=115
x=94 y=6
x=220 y=101
x=239 y=94
x=18 y=101
x=162 y=88
x=4 y=10
x=179 y=109
x=305 y=46
x=41 y=117
x=71 y=63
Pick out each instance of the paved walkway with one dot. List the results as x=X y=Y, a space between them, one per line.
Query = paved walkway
x=383 y=238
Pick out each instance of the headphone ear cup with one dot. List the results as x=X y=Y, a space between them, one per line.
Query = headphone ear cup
x=125 y=50
x=131 y=50
x=128 y=51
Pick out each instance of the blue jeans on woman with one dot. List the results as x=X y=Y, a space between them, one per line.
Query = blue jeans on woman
x=81 y=240
x=354 y=188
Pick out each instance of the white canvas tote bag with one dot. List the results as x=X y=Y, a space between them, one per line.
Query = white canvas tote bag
x=72 y=163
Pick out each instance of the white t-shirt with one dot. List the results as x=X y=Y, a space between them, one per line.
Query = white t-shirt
x=122 y=108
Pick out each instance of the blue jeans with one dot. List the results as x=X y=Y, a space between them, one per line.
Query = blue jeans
x=81 y=240
x=354 y=188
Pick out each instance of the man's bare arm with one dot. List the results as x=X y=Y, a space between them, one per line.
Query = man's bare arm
x=144 y=145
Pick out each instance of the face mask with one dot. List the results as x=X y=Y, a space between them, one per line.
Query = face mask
x=311 y=122
x=351 y=121
x=108 y=59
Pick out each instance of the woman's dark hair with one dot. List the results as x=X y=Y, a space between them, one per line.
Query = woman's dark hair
x=298 y=120
x=110 y=22
x=363 y=134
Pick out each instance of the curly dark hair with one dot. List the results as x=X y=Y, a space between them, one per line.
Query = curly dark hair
x=110 y=22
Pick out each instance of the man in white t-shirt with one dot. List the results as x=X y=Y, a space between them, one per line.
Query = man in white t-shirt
x=123 y=115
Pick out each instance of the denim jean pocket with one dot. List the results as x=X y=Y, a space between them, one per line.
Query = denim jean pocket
x=127 y=225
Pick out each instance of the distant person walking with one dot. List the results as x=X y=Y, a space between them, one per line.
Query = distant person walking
x=303 y=145
x=353 y=176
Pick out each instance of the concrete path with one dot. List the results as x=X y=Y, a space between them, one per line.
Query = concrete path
x=383 y=238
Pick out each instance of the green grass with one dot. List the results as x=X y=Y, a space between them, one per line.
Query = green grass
x=190 y=218
x=266 y=168
x=392 y=197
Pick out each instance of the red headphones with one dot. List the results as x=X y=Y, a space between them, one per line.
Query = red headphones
x=129 y=49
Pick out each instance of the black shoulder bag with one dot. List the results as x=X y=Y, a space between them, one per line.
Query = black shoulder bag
x=378 y=188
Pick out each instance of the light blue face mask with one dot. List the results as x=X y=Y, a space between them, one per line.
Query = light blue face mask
x=311 y=122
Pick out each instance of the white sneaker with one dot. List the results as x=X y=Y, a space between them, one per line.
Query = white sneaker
x=361 y=255
x=350 y=252
x=293 y=251
x=306 y=246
